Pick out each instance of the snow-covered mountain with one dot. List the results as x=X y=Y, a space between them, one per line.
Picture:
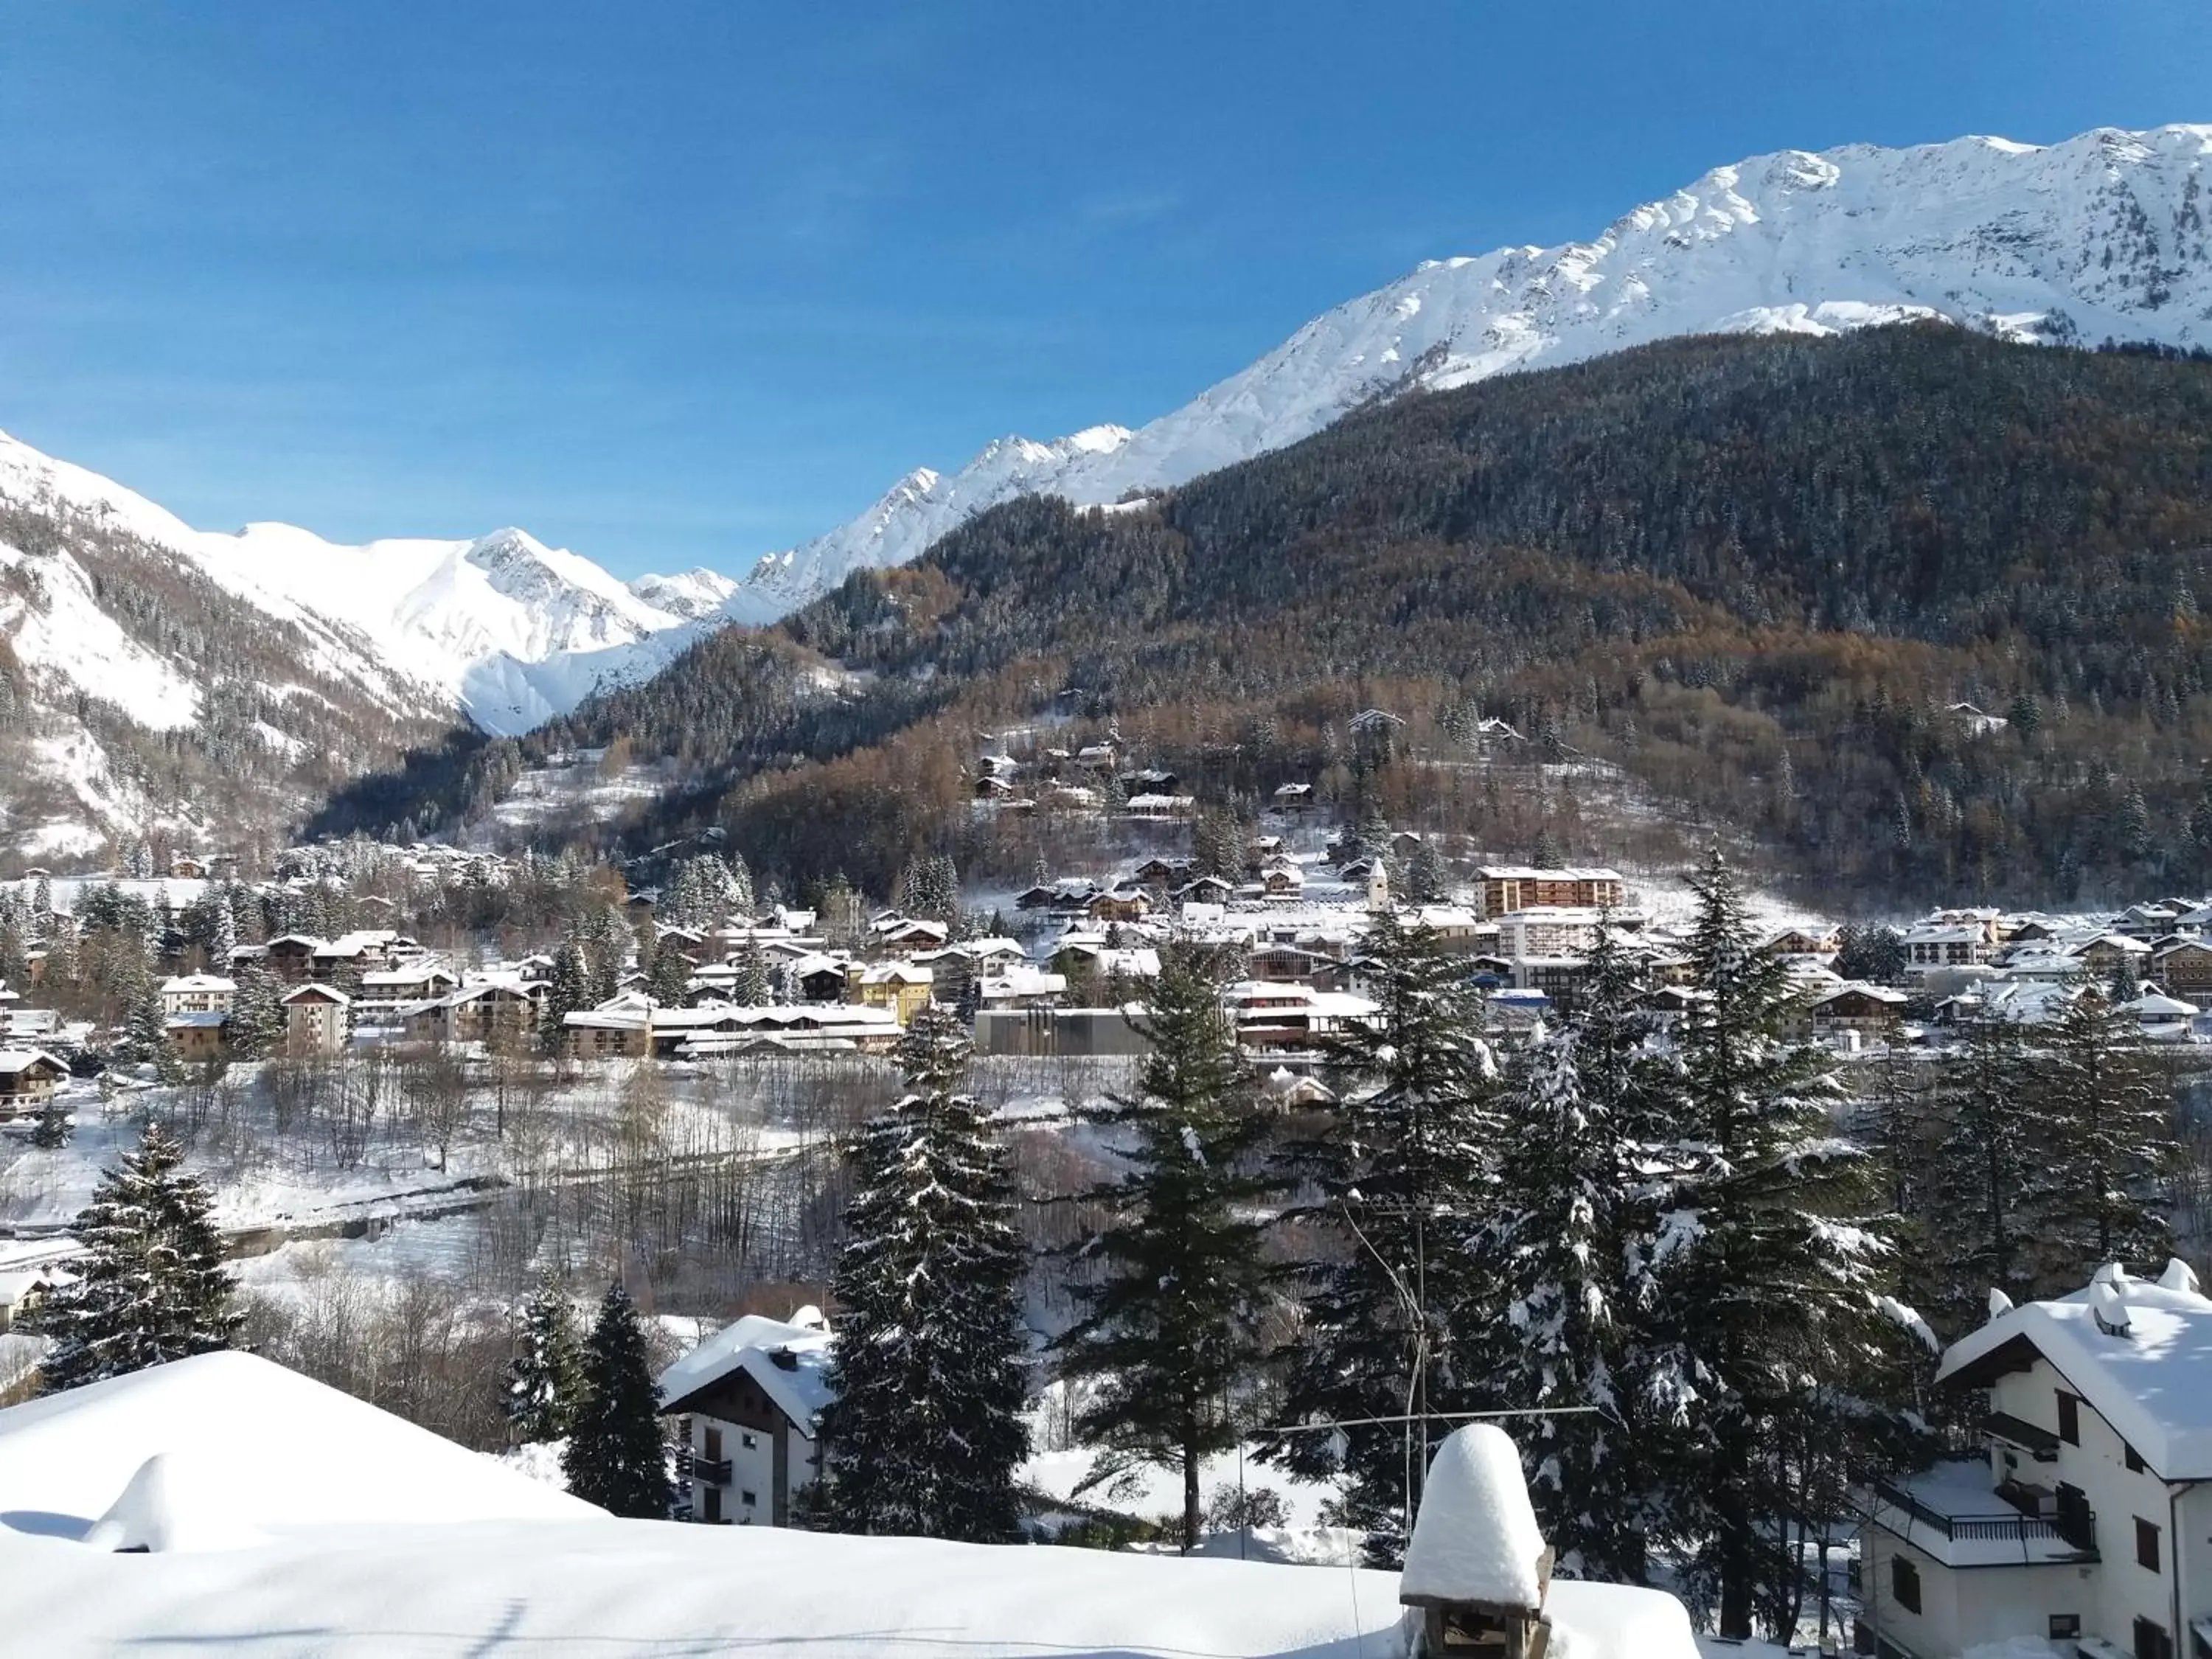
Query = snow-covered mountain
x=468 y=621
x=2103 y=236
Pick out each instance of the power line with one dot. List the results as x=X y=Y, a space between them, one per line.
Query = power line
x=1427 y=1417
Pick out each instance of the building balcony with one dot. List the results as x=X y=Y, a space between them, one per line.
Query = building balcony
x=716 y=1473
x=1952 y=1513
x=2039 y=1443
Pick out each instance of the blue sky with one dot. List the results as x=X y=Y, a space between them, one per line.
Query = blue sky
x=682 y=283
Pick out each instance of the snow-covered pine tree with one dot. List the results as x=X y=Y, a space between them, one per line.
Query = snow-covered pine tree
x=1769 y=1286
x=1170 y=1331
x=151 y=1285
x=740 y=880
x=2111 y=1118
x=568 y=991
x=257 y=1016
x=1399 y=1171
x=1553 y=1263
x=754 y=987
x=668 y=982
x=55 y=1127
x=544 y=1379
x=615 y=1457
x=1993 y=1175
x=145 y=1033
x=929 y=1373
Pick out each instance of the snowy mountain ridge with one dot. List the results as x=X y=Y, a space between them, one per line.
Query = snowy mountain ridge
x=466 y=621
x=2100 y=236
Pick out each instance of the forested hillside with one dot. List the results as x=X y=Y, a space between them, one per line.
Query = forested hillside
x=1753 y=573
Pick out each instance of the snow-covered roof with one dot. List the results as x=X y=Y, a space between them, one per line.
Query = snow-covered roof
x=234 y=1430
x=1475 y=1537
x=318 y=993
x=15 y=1061
x=751 y=1344
x=2153 y=1384
x=187 y=984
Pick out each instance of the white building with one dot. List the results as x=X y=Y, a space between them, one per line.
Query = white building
x=2089 y=1520
x=750 y=1399
x=199 y=993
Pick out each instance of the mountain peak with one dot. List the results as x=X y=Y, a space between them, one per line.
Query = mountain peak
x=2100 y=236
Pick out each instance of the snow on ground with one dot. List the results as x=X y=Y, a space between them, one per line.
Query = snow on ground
x=255 y=1451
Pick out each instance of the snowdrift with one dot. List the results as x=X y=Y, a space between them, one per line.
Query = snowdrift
x=249 y=1451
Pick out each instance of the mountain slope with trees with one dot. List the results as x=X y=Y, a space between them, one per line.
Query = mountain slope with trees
x=1754 y=573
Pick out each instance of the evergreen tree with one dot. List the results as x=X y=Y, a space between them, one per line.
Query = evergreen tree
x=670 y=981
x=615 y=1457
x=1992 y=1175
x=2112 y=1121
x=1768 y=1287
x=1399 y=1171
x=145 y=1031
x=1170 y=1331
x=545 y=1377
x=1427 y=880
x=151 y=1285
x=55 y=1128
x=1554 y=1259
x=565 y=993
x=256 y=1014
x=925 y=1429
x=754 y=987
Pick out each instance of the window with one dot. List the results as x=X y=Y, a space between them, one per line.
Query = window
x=2065 y=1626
x=748 y=1499
x=714 y=1446
x=1904 y=1583
x=2153 y=1641
x=2069 y=1418
x=747 y=1441
x=2147 y=1545
x=2136 y=1465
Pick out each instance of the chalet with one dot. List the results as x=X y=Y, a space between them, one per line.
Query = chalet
x=1020 y=987
x=1458 y=930
x=492 y=1011
x=389 y=987
x=1500 y=889
x=910 y=933
x=1068 y=798
x=1271 y=1018
x=1162 y=875
x=1205 y=890
x=1098 y=757
x=29 y=1078
x=748 y=1403
x=1801 y=942
x=1123 y=904
x=1871 y=1009
x=317 y=1019
x=199 y=993
x=291 y=957
x=1281 y=879
x=803 y=1029
x=607 y=1034
x=1974 y=722
x=2105 y=954
x=1293 y=797
x=186 y=867
x=2185 y=971
x=819 y=978
x=901 y=987
x=196 y=1036
x=990 y=787
x=2087 y=1516
x=1150 y=805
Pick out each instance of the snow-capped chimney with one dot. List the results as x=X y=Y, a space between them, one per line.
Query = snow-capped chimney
x=2000 y=1303
x=2178 y=1276
x=2108 y=1306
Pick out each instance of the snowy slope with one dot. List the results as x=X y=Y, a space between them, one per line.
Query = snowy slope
x=2101 y=236
x=458 y=620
